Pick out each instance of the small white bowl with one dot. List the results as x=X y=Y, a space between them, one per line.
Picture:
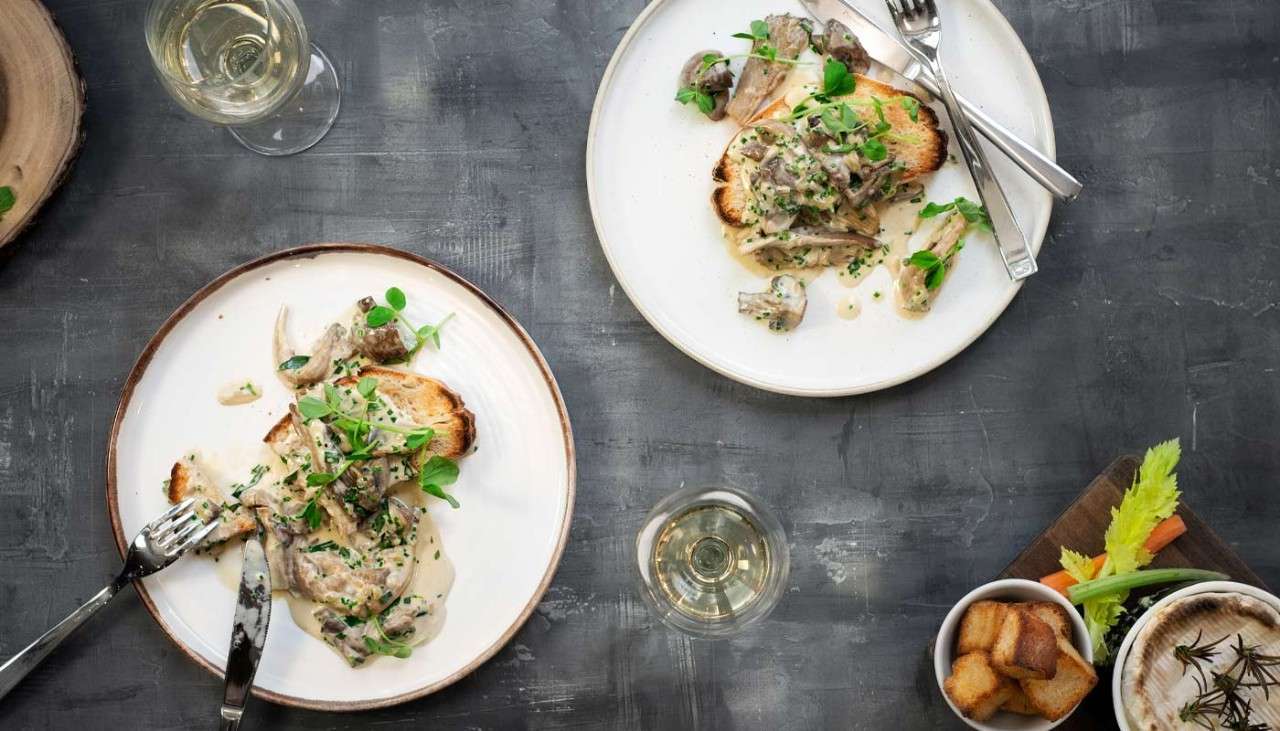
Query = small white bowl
x=1009 y=590
x=1122 y=655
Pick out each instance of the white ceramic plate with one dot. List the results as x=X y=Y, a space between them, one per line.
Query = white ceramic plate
x=649 y=164
x=516 y=489
x=1122 y=654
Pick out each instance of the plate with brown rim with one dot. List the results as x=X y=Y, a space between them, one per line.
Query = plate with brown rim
x=518 y=485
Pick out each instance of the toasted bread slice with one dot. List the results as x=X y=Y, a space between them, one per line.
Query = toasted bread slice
x=1052 y=614
x=1071 y=682
x=919 y=144
x=186 y=480
x=425 y=401
x=980 y=626
x=1019 y=703
x=1026 y=646
x=975 y=687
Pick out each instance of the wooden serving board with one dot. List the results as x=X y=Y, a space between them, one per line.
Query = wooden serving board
x=1081 y=527
x=41 y=103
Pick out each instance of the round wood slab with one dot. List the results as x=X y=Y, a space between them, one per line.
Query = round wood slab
x=41 y=102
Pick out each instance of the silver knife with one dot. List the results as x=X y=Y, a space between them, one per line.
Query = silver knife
x=248 y=632
x=889 y=52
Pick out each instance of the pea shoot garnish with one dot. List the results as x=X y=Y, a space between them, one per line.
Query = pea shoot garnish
x=380 y=315
x=972 y=212
x=935 y=267
x=7 y=199
x=912 y=105
x=436 y=473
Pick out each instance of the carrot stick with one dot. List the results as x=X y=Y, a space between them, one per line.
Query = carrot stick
x=1162 y=535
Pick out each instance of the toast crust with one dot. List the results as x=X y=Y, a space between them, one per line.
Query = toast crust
x=427 y=402
x=1026 y=647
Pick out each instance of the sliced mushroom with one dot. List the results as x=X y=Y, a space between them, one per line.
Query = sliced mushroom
x=333 y=344
x=806 y=236
x=912 y=280
x=908 y=191
x=788 y=37
x=838 y=42
x=810 y=257
x=382 y=344
x=713 y=80
x=872 y=178
x=781 y=306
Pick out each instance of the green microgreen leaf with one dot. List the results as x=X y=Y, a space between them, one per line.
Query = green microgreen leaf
x=836 y=79
x=973 y=213
x=313 y=408
x=379 y=316
x=912 y=105
x=395 y=298
x=437 y=472
x=366 y=386
x=873 y=150
x=419 y=439
x=933 y=278
x=7 y=199
x=882 y=125
x=924 y=260
x=312 y=514
x=320 y=478
x=432 y=332
x=932 y=209
x=439 y=492
x=294 y=363
x=760 y=30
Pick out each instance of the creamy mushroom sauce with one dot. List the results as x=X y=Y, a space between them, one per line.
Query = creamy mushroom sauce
x=898 y=225
x=432 y=576
x=239 y=392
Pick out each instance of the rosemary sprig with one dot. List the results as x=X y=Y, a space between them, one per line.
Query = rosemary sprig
x=1194 y=654
x=1218 y=702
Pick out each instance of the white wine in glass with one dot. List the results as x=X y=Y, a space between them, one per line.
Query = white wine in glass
x=247 y=64
x=711 y=561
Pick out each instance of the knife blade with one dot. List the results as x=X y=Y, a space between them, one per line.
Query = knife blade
x=890 y=52
x=248 y=632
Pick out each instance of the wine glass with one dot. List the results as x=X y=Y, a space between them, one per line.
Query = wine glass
x=247 y=64
x=711 y=561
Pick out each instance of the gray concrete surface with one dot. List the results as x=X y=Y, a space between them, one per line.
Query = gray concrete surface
x=461 y=138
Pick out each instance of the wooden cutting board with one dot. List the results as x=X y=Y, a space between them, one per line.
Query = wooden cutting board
x=1081 y=527
x=41 y=102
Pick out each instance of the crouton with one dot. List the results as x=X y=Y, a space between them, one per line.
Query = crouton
x=1051 y=613
x=979 y=627
x=1071 y=682
x=1019 y=703
x=1026 y=646
x=975 y=687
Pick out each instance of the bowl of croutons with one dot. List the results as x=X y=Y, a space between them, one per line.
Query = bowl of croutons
x=1013 y=654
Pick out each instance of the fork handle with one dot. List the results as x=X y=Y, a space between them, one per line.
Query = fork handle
x=13 y=671
x=1019 y=262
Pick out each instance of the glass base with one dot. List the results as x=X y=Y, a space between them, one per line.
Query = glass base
x=304 y=120
x=711 y=561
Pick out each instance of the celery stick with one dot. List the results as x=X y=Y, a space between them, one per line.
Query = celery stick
x=1086 y=590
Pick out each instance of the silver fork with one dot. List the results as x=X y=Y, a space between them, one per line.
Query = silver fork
x=921 y=29
x=159 y=544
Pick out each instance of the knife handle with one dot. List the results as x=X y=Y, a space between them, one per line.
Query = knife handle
x=1036 y=164
x=1033 y=162
x=18 y=666
x=230 y=718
